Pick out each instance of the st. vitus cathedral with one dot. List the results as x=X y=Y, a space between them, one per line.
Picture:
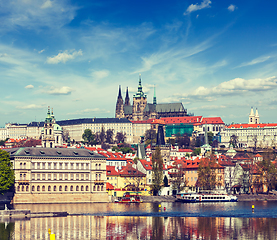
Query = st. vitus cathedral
x=141 y=110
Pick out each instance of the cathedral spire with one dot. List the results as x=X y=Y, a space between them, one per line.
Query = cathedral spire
x=127 y=99
x=119 y=93
x=140 y=93
x=154 y=98
x=119 y=110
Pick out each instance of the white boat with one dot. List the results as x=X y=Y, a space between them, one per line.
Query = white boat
x=207 y=197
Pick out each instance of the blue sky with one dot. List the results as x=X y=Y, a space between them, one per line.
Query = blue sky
x=218 y=57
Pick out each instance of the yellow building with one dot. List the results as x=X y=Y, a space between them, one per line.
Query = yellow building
x=58 y=175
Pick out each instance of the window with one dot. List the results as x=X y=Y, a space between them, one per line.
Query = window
x=33 y=176
x=72 y=176
x=49 y=176
x=87 y=188
x=61 y=166
x=87 y=177
x=43 y=165
x=77 y=188
x=27 y=188
x=65 y=188
x=71 y=188
x=33 y=188
x=82 y=188
x=66 y=165
x=38 y=165
x=77 y=165
x=65 y=176
x=87 y=166
x=38 y=176
x=55 y=176
x=38 y=188
x=43 y=188
x=49 y=188
x=49 y=165
x=82 y=176
x=77 y=176
x=43 y=176
x=33 y=165
x=60 y=188
x=55 y=165
x=72 y=165
x=82 y=166
x=61 y=176
x=22 y=188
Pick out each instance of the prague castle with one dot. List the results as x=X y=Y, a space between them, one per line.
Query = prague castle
x=141 y=110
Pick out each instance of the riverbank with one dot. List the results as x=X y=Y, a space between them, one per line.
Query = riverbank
x=256 y=197
x=241 y=198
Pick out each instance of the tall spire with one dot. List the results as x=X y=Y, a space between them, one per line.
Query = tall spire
x=119 y=93
x=139 y=93
x=127 y=99
x=251 y=116
x=154 y=98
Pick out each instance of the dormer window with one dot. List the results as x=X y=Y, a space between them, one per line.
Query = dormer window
x=59 y=152
x=42 y=152
x=75 y=153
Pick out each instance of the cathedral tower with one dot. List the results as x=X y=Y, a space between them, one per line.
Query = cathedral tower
x=127 y=99
x=139 y=103
x=119 y=110
x=254 y=118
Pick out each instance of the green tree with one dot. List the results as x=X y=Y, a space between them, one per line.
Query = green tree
x=150 y=136
x=183 y=141
x=6 y=172
x=2 y=142
x=196 y=151
x=210 y=138
x=89 y=137
x=157 y=171
x=120 y=137
x=206 y=174
x=109 y=136
x=234 y=140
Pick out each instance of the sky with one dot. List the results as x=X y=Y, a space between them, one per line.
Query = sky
x=219 y=58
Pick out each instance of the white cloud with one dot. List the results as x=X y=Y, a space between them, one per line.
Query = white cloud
x=233 y=87
x=34 y=14
x=196 y=7
x=59 y=91
x=64 y=56
x=46 y=4
x=29 y=86
x=232 y=8
x=256 y=61
x=31 y=106
x=3 y=55
x=41 y=51
x=100 y=74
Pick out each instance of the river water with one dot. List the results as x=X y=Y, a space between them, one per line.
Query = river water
x=147 y=221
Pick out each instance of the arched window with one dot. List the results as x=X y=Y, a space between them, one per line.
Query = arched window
x=24 y=175
x=38 y=188
x=77 y=188
x=86 y=188
x=18 y=188
x=49 y=188
x=33 y=188
x=98 y=188
x=96 y=177
x=20 y=165
x=99 y=176
x=55 y=188
x=61 y=188
x=96 y=165
x=45 y=131
x=57 y=139
x=82 y=188
x=43 y=188
x=94 y=188
x=99 y=166
x=71 y=188
x=50 y=131
x=51 y=145
x=102 y=188
x=24 y=165
x=20 y=176
x=65 y=188
x=27 y=188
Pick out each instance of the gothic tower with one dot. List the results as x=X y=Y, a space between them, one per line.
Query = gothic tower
x=257 y=118
x=119 y=110
x=139 y=103
x=251 y=116
x=127 y=99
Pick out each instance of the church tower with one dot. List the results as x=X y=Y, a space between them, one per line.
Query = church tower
x=257 y=118
x=127 y=99
x=51 y=134
x=251 y=116
x=119 y=110
x=139 y=103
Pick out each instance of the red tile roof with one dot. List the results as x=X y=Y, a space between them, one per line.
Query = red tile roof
x=178 y=120
x=146 y=164
x=246 y=125
x=185 y=150
x=109 y=186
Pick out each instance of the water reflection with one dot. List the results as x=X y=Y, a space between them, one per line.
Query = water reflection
x=122 y=227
